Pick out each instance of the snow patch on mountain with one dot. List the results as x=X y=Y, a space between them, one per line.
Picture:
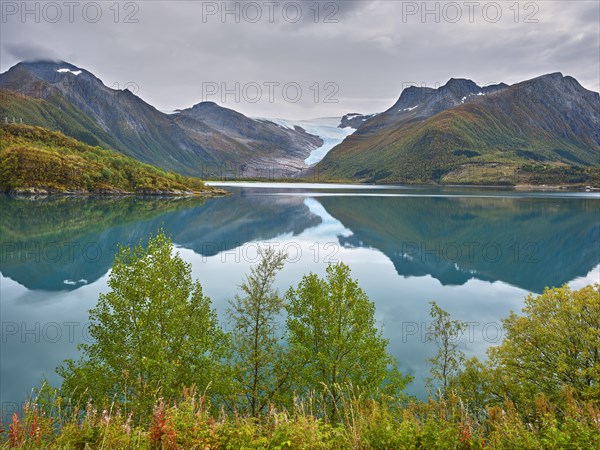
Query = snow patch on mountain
x=74 y=72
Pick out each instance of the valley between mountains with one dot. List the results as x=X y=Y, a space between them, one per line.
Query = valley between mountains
x=543 y=131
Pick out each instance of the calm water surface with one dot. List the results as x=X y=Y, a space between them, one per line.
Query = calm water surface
x=477 y=252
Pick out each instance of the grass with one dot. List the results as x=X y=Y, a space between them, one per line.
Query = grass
x=384 y=423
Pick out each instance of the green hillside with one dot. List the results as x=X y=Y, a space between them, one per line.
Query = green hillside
x=468 y=144
x=539 y=131
x=59 y=115
x=37 y=160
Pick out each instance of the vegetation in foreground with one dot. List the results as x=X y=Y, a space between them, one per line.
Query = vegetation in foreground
x=161 y=373
x=36 y=160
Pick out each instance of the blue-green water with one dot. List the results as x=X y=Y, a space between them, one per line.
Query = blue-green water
x=476 y=252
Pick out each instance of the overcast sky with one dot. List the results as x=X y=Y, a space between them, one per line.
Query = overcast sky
x=292 y=59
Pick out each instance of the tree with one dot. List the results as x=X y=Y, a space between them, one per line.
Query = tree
x=332 y=337
x=554 y=344
x=257 y=350
x=153 y=333
x=472 y=384
x=446 y=334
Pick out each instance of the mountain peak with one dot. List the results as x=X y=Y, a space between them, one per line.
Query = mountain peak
x=207 y=104
x=49 y=70
x=461 y=85
x=211 y=108
x=460 y=81
x=47 y=64
x=550 y=119
x=553 y=75
x=39 y=61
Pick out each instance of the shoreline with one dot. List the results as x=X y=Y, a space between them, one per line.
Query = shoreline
x=516 y=187
x=45 y=192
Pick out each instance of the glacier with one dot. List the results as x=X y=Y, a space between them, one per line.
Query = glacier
x=324 y=127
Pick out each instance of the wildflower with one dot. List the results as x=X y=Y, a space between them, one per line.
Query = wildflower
x=16 y=435
x=105 y=418
x=127 y=425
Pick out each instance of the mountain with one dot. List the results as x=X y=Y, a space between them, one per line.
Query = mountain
x=254 y=144
x=542 y=129
x=127 y=123
x=61 y=96
x=34 y=160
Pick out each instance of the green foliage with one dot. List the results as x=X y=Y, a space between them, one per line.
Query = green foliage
x=549 y=353
x=473 y=384
x=154 y=332
x=257 y=349
x=446 y=334
x=332 y=337
x=555 y=343
x=33 y=158
x=558 y=174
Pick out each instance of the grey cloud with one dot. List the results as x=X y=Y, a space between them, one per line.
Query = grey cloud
x=370 y=53
x=24 y=51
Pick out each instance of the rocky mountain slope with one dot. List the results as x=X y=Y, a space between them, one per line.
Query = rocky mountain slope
x=259 y=147
x=202 y=141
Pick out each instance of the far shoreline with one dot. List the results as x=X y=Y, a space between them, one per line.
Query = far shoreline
x=356 y=185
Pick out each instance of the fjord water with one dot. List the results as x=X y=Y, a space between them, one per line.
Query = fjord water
x=477 y=252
